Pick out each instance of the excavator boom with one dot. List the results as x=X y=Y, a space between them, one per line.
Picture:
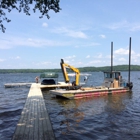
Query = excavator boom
x=64 y=67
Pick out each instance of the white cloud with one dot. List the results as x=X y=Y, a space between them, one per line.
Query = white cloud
x=130 y=26
x=118 y=25
x=135 y=28
x=45 y=63
x=135 y=57
x=42 y=64
x=5 y=43
x=11 y=41
x=77 y=34
x=70 y=57
x=99 y=56
x=122 y=51
x=102 y=36
x=88 y=56
x=122 y=59
x=15 y=41
x=17 y=57
x=1 y=60
x=95 y=62
x=72 y=33
x=94 y=44
x=45 y=24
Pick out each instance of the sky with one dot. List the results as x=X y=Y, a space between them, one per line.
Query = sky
x=80 y=34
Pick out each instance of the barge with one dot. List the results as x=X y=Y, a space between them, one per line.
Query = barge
x=113 y=84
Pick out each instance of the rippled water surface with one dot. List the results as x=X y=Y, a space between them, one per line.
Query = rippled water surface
x=112 y=117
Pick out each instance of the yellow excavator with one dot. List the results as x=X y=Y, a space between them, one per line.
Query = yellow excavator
x=64 y=67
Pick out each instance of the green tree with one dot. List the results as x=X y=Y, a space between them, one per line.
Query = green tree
x=24 y=6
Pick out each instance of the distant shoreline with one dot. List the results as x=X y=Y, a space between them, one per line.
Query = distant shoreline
x=82 y=69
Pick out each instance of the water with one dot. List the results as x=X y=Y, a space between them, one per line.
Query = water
x=112 y=117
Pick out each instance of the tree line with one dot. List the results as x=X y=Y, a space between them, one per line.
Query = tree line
x=81 y=69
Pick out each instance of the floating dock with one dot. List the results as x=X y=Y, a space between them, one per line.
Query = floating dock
x=61 y=85
x=86 y=92
x=10 y=85
x=34 y=123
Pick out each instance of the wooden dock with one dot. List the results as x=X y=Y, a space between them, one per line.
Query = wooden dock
x=10 y=85
x=34 y=123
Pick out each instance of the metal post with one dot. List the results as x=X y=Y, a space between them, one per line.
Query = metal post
x=111 y=56
x=129 y=60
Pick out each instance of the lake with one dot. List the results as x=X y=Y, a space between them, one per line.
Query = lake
x=99 y=118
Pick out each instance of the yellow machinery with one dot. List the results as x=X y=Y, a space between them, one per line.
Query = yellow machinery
x=64 y=67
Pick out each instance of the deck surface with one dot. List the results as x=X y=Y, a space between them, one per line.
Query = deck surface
x=55 y=86
x=87 y=92
x=10 y=85
x=34 y=123
x=63 y=91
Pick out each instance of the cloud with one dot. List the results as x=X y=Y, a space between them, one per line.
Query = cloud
x=125 y=25
x=122 y=59
x=70 y=57
x=136 y=27
x=45 y=24
x=45 y=63
x=92 y=44
x=15 y=58
x=95 y=62
x=16 y=41
x=5 y=43
x=72 y=33
x=88 y=56
x=102 y=36
x=122 y=51
x=42 y=64
x=118 y=25
x=2 y=60
x=99 y=56
x=135 y=57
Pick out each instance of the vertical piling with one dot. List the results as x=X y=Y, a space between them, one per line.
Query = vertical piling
x=129 y=60
x=111 y=57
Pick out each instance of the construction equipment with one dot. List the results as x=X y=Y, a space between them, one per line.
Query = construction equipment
x=64 y=67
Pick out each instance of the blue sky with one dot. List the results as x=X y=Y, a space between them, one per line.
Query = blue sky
x=81 y=34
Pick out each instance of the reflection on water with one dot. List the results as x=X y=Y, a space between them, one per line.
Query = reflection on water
x=116 y=102
x=105 y=117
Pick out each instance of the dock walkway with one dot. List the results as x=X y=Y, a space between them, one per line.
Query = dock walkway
x=10 y=85
x=34 y=123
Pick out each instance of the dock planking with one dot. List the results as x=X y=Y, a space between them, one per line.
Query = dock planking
x=10 y=85
x=34 y=123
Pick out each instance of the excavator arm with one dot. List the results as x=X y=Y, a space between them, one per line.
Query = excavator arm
x=64 y=67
